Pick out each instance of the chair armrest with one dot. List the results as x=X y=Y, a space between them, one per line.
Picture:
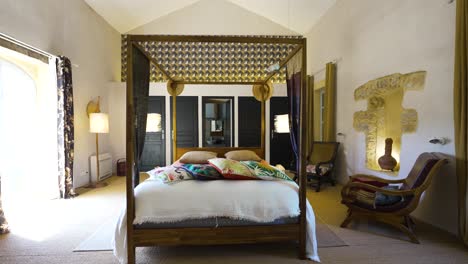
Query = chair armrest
x=360 y=185
x=374 y=178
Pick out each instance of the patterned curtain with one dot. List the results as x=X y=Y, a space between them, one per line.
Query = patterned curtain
x=141 y=77
x=293 y=83
x=65 y=127
x=3 y=222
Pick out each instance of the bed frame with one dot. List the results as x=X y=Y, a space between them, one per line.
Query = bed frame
x=220 y=235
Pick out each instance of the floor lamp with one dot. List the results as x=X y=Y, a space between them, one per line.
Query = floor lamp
x=98 y=124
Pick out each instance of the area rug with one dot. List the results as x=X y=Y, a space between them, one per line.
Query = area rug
x=101 y=239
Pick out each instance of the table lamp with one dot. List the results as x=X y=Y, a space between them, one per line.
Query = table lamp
x=281 y=123
x=153 y=122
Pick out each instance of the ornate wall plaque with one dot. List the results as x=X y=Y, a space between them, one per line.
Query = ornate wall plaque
x=385 y=117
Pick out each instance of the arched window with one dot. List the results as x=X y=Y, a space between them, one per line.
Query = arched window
x=17 y=105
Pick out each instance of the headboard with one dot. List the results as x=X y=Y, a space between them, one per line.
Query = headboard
x=220 y=150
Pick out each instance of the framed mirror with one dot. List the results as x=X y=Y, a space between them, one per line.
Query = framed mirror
x=218 y=121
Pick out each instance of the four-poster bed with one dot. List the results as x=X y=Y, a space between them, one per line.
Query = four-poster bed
x=141 y=47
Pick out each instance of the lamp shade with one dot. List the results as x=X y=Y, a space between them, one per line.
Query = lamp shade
x=282 y=123
x=153 y=123
x=98 y=123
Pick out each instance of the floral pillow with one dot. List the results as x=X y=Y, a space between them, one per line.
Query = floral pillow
x=203 y=172
x=232 y=169
x=266 y=171
x=170 y=174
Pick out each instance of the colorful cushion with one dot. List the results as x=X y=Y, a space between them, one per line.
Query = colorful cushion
x=311 y=169
x=232 y=169
x=242 y=155
x=170 y=174
x=266 y=171
x=197 y=157
x=203 y=172
x=386 y=200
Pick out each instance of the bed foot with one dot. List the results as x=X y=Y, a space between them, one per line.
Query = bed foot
x=131 y=255
x=302 y=250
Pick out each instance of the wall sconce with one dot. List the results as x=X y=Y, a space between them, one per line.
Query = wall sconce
x=281 y=123
x=153 y=123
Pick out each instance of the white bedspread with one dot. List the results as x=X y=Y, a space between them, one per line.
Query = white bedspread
x=260 y=201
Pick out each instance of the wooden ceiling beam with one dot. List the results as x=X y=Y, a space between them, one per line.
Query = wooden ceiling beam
x=217 y=82
x=230 y=39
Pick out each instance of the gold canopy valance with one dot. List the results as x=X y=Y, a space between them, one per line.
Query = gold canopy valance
x=213 y=62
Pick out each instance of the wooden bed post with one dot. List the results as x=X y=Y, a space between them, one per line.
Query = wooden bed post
x=263 y=127
x=174 y=127
x=130 y=154
x=303 y=154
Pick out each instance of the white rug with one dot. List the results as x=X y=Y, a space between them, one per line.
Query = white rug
x=101 y=239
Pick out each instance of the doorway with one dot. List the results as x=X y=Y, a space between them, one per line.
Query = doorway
x=281 y=151
x=28 y=139
x=154 y=151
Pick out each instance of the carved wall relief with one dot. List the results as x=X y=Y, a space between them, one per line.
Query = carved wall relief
x=385 y=117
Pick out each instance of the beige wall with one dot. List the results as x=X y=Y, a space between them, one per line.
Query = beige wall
x=376 y=38
x=212 y=17
x=71 y=28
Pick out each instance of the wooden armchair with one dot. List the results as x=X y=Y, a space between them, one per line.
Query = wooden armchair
x=321 y=162
x=360 y=191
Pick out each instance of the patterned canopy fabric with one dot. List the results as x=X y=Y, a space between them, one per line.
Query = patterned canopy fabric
x=213 y=61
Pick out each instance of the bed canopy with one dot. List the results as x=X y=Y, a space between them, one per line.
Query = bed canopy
x=216 y=60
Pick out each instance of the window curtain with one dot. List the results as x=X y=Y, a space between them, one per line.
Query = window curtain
x=141 y=77
x=461 y=114
x=329 y=133
x=3 y=222
x=65 y=127
x=310 y=111
x=293 y=83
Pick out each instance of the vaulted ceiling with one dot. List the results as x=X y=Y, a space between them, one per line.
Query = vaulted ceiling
x=296 y=15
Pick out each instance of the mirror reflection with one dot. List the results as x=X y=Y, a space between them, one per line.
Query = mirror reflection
x=218 y=122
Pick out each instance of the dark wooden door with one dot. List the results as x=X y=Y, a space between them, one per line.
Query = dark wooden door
x=187 y=121
x=250 y=111
x=280 y=144
x=154 y=151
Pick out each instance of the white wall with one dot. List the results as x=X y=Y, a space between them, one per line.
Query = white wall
x=213 y=17
x=117 y=113
x=70 y=28
x=377 y=38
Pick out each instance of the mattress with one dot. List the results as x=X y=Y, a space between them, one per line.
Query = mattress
x=216 y=222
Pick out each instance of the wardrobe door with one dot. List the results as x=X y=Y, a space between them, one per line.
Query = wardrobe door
x=280 y=143
x=187 y=121
x=154 y=151
x=250 y=111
